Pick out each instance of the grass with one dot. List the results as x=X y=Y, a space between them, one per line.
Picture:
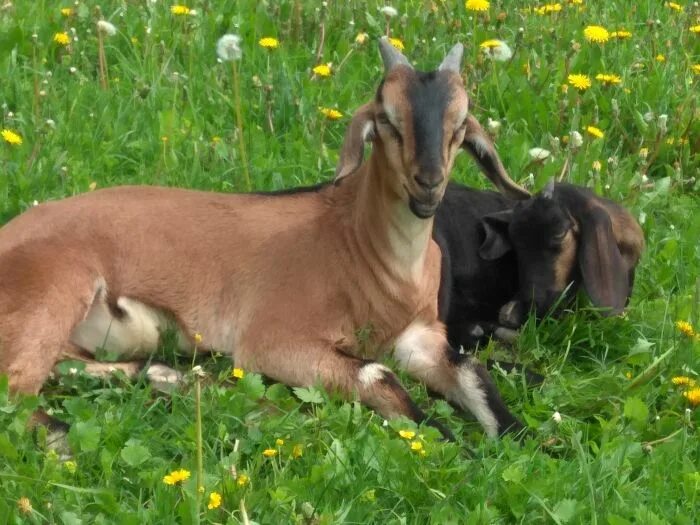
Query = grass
x=626 y=449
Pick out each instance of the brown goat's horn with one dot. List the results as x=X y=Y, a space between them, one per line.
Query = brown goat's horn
x=391 y=56
x=453 y=60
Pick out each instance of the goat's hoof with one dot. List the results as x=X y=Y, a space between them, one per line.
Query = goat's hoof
x=163 y=378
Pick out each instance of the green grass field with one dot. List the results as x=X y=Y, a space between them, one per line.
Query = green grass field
x=159 y=108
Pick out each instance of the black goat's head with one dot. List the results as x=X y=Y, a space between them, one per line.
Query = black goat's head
x=564 y=237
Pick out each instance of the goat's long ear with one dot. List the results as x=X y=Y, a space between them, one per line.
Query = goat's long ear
x=360 y=130
x=605 y=275
x=496 y=240
x=479 y=145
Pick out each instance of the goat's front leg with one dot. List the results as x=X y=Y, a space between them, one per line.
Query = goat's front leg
x=423 y=351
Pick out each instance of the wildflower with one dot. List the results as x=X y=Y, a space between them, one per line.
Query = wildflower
x=269 y=452
x=556 y=417
x=176 y=476
x=11 y=137
x=660 y=58
x=674 y=6
x=24 y=505
x=685 y=328
x=180 y=10
x=539 y=154
x=67 y=11
x=643 y=153
x=621 y=34
x=548 y=8
x=242 y=480
x=608 y=78
x=388 y=11
x=214 y=501
x=695 y=29
x=476 y=5
x=416 y=446
x=361 y=38
x=330 y=113
x=683 y=381
x=695 y=68
x=228 y=48
x=279 y=442
x=597 y=166
x=238 y=373
x=662 y=122
x=322 y=70
x=397 y=43
x=576 y=140
x=62 y=38
x=297 y=451
x=497 y=50
x=580 y=82
x=693 y=396
x=197 y=338
x=92 y=186
x=596 y=34
x=106 y=27
x=269 y=42
x=596 y=132
x=407 y=434
x=628 y=374
x=493 y=125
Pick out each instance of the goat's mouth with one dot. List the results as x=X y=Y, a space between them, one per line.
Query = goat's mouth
x=422 y=210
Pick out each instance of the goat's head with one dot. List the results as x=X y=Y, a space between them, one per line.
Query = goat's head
x=564 y=237
x=417 y=122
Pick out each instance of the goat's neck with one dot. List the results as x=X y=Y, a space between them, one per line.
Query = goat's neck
x=384 y=223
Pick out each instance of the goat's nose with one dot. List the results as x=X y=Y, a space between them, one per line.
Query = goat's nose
x=428 y=184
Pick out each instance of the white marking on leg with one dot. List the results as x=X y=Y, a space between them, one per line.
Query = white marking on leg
x=371 y=373
x=471 y=395
x=415 y=348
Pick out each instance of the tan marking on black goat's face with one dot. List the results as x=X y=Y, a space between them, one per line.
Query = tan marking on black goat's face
x=420 y=121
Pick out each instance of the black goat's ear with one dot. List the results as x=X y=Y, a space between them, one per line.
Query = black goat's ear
x=605 y=274
x=496 y=240
x=479 y=146
x=360 y=130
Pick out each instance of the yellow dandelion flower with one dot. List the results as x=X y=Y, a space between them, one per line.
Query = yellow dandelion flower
x=176 y=476
x=685 y=328
x=67 y=11
x=180 y=10
x=61 y=38
x=477 y=5
x=11 y=137
x=643 y=152
x=215 y=139
x=24 y=505
x=279 y=442
x=695 y=68
x=548 y=8
x=322 y=70
x=330 y=113
x=621 y=34
x=238 y=373
x=242 y=480
x=695 y=29
x=487 y=44
x=596 y=34
x=693 y=396
x=214 y=501
x=674 y=6
x=397 y=43
x=407 y=434
x=670 y=141
x=576 y=2
x=269 y=42
x=92 y=186
x=608 y=78
x=580 y=82
x=660 y=58
x=361 y=38
x=628 y=375
x=269 y=452
x=597 y=166
x=683 y=381
x=70 y=466
x=416 y=446
x=297 y=451
x=596 y=132
x=197 y=338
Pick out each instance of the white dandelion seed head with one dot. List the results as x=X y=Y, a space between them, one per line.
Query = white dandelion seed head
x=106 y=28
x=228 y=48
x=648 y=116
x=556 y=417
x=73 y=70
x=72 y=371
x=35 y=203
x=493 y=125
x=554 y=142
x=576 y=140
x=539 y=153
x=645 y=178
x=193 y=12
x=388 y=11
x=500 y=52
x=663 y=121
x=51 y=123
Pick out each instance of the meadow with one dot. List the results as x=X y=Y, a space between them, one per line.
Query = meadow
x=610 y=92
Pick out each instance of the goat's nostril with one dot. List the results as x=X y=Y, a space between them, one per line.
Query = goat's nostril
x=428 y=184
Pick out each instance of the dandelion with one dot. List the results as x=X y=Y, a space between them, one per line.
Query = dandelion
x=407 y=434
x=576 y=140
x=628 y=374
x=67 y=11
x=322 y=70
x=497 y=50
x=269 y=42
x=180 y=10
x=556 y=417
x=695 y=29
x=416 y=446
x=176 y=476
x=238 y=373
x=643 y=153
x=70 y=466
x=683 y=381
x=674 y=6
x=214 y=501
x=11 y=137
x=228 y=48
x=397 y=43
x=493 y=125
x=61 y=38
x=197 y=338
x=660 y=58
x=269 y=452
x=596 y=132
x=330 y=113
x=695 y=68
x=547 y=9
x=279 y=442
x=297 y=451
x=388 y=11
x=580 y=82
x=361 y=38
x=608 y=78
x=596 y=34
x=685 y=328
x=597 y=166
x=476 y=5
x=242 y=480
x=24 y=505
x=621 y=34
x=693 y=396
x=539 y=154
x=106 y=27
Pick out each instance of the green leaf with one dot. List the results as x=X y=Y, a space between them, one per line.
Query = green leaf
x=565 y=510
x=614 y=519
x=70 y=518
x=7 y=449
x=135 y=454
x=308 y=395
x=252 y=385
x=513 y=473
x=85 y=435
x=636 y=410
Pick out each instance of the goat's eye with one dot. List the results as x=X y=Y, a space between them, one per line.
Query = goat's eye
x=384 y=121
x=457 y=135
x=561 y=235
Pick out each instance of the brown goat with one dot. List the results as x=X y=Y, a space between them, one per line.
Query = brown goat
x=282 y=284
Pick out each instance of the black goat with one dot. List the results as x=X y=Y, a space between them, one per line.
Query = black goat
x=501 y=258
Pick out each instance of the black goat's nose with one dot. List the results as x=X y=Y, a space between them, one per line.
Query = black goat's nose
x=428 y=184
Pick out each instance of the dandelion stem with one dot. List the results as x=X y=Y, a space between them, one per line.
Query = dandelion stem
x=239 y=123
x=102 y=60
x=244 y=513
x=198 y=428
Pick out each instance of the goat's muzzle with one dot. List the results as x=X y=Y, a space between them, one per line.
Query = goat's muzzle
x=425 y=200
x=423 y=208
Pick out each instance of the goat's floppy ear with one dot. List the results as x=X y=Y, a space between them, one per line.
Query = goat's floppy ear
x=360 y=130
x=479 y=145
x=496 y=241
x=602 y=266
